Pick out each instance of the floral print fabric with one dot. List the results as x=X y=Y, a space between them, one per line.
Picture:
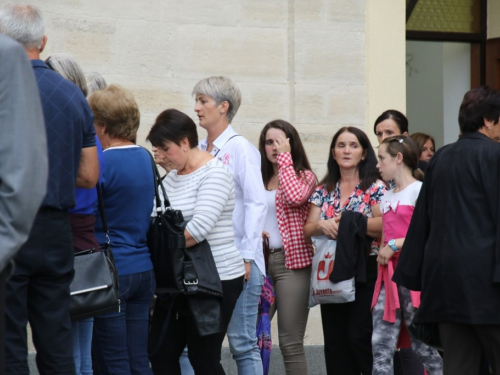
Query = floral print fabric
x=359 y=201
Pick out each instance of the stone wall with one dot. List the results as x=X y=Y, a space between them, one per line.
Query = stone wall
x=311 y=62
x=303 y=60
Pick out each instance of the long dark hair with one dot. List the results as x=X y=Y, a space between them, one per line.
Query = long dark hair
x=367 y=169
x=299 y=156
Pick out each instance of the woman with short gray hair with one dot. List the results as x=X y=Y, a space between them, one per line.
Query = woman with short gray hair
x=69 y=68
x=217 y=102
x=95 y=82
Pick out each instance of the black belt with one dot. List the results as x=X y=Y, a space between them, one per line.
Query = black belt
x=275 y=250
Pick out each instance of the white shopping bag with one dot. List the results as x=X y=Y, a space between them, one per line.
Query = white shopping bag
x=322 y=289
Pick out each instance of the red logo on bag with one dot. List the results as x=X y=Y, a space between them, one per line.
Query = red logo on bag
x=325 y=265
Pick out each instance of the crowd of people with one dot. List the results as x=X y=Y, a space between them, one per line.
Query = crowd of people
x=423 y=252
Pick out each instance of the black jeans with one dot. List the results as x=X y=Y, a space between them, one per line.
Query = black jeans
x=204 y=352
x=347 y=330
x=38 y=292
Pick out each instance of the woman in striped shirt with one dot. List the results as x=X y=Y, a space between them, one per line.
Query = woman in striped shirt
x=289 y=184
x=203 y=189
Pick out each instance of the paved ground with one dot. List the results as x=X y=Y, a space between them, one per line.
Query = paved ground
x=313 y=340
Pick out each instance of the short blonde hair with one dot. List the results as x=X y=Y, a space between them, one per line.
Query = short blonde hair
x=116 y=108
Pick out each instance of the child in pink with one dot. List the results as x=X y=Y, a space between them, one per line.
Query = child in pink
x=398 y=158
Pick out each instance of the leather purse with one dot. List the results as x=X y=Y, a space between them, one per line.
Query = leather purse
x=94 y=289
x=176 y=268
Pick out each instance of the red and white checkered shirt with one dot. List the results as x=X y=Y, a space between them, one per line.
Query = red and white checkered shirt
x=292 y=208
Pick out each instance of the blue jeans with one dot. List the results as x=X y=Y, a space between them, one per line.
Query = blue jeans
x=82 y=341
x=243 y=324
x=120 y=342
x=186 y=368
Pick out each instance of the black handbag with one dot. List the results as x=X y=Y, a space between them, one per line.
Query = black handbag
x=428 y=333
x=177 y=269
x=166 y=241
x=94 y=289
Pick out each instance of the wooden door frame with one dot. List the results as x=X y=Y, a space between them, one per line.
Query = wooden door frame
x=477 y=42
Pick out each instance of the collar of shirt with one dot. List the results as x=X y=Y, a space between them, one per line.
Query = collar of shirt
x=220 y=141
x=38 y=64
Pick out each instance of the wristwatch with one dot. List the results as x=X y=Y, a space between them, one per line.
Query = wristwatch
x=248 y=260
x=392 y=244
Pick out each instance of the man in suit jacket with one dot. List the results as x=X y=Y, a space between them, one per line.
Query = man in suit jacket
x=23 y=155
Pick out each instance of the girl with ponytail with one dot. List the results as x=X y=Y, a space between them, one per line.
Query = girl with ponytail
x=398 y=158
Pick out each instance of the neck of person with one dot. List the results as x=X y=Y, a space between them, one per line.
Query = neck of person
x=214 y=131
x=33 y=54
x=349 y=177
x=276 y=169
x=116 y=142
x=403 y=178
x=196 y=159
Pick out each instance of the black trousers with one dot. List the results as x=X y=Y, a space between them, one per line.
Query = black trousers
x=38 y=292
x=407 y=363
x=347 y=331
x=204 y=352
x=463 y=345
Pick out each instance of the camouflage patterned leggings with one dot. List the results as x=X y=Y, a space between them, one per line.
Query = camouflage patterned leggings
x=385 y=337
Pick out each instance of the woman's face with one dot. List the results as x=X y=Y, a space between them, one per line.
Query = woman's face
x=386 y=128
x=348 y=152
x=270 y=144
x=209 y=113
x=387 y=164
x=173 y=155
x=428 y=151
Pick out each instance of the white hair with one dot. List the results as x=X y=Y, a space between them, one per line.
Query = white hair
x=68 y=67
x=220 y=89
x=24 y=23
x=95 y=82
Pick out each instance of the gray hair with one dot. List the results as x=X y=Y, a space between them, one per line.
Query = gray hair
x=24 y=23
x=220 y=89
x=95 y=82
x=69 y=68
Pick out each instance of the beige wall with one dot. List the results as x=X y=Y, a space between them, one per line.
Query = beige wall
x=320 y=64
x=386 y=59
x=493 y=19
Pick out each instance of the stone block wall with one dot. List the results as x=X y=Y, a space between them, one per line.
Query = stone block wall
x=300 y=60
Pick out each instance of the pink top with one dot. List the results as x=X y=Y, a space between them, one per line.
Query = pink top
x=397 y=210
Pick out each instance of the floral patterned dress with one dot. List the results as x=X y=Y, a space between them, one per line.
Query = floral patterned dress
x=359 y=201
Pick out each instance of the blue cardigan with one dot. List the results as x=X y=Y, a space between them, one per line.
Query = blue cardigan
x=128 y=194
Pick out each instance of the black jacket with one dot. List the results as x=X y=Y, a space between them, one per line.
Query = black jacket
x=452 y=250
x=353 y=248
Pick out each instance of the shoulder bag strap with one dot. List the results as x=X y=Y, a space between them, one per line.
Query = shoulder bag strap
x=103 y=214
x=236 y=135
x=158 y=182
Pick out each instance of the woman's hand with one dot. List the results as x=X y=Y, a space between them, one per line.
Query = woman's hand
x=282 y=145
x=265 y=235
x=330 y=227
x=384 y=255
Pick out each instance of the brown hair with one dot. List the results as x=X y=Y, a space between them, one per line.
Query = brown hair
x=420 y=139
x=367 y=169
x=116 y=108
x=299 y=156
x=408 y=148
